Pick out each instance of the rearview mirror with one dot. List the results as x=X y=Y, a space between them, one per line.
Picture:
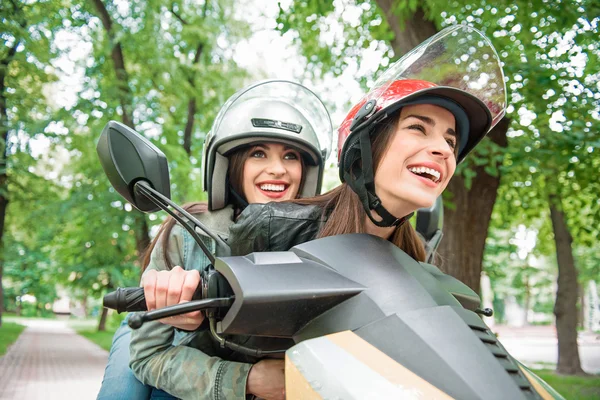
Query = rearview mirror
x=127 y=157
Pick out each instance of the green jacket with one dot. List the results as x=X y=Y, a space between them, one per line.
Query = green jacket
x=192 y=365
x=187 y=365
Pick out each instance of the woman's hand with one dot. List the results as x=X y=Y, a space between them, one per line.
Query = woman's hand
x=266 y=380
x=167 y=288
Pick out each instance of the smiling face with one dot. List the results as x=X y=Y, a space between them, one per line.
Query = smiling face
x=419 y=161
x=272 y=172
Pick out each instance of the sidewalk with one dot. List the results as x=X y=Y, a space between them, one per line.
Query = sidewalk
x=537 y=346
x=50 y=361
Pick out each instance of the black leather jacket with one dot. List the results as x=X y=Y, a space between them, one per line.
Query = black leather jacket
x=274 y=227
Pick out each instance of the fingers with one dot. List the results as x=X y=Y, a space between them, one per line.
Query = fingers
x=175 y=288
x=149 y=284
x=190 y=284
x=162 y=288
x=167 y=288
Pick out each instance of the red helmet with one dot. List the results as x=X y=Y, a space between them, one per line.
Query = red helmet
x=396 y=92
x=457 y=69
x=399 y=93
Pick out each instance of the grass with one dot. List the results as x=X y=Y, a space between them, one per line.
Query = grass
x=9 y=332
x=102 y=339
x=572 y=387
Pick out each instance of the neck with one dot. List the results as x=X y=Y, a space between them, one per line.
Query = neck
x=382 y=232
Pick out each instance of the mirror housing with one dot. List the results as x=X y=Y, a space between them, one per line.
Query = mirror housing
x=127 y=158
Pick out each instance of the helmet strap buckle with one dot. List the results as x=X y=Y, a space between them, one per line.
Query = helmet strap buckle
x=364 y=113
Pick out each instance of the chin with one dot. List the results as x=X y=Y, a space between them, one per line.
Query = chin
x=421 y=201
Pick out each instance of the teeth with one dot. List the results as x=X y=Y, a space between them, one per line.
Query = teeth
x=272 y=188
x=425 y=170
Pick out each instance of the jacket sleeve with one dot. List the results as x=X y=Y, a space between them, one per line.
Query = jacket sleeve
x=274 y=227
x=182 y=371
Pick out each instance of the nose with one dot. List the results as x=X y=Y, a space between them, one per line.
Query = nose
x=276 y=167
x=440 y=148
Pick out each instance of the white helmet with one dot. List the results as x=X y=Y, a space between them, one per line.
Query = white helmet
x=274 y=111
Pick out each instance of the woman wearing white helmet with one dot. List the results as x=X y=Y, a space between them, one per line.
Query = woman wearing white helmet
x=268 y=143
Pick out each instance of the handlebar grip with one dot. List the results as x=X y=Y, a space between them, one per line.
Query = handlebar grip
x=133 y=299
x=126 y=299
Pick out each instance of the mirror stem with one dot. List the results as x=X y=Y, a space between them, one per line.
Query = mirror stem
x=163 y=202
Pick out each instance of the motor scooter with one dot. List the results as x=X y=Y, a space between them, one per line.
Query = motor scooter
x=367 y=320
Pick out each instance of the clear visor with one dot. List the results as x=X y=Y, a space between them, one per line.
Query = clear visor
x=298 y=97
x=458 y=56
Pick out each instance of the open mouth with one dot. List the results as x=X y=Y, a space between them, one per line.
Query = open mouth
x=273 y=190
x=428 y=173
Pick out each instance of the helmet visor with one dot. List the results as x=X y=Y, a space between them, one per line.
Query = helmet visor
x=458 y=57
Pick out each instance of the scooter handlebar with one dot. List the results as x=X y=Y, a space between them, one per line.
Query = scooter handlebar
x=126 y=299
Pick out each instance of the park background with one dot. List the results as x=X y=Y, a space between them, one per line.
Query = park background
x=521 y=218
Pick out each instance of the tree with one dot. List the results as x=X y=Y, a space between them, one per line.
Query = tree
x=402 y=25
x=536 y=41
x=28 y=29
x=155 y=86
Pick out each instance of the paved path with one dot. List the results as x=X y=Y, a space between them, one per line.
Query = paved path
x=50 y=361
x=537 y=347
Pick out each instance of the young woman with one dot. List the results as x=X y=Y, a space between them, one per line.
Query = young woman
x=268 y=143
x=398 y=149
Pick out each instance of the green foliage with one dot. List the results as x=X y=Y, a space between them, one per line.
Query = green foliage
x=66 y=227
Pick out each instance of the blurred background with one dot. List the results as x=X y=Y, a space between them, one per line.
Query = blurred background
x=521 y=219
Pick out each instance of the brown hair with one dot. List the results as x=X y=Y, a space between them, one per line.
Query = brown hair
x=345 y=211
x=235 y=174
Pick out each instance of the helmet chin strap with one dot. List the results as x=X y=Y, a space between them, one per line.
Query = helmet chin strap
x=361 y=179
x=236 y=198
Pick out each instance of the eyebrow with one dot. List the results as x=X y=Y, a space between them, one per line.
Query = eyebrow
x=431 y=122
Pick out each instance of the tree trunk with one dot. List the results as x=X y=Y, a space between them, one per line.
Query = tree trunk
x=527 y=302
x=565 y=308
x=189 y=125
x=125 y=99
x=19 y=307
x=461 y=225
x=84 y=305
x=581 y=309
x=408 y=33
x=142 y=236
x=466 y=226
x=4 y=128
x=1 y=291
x=102 y=323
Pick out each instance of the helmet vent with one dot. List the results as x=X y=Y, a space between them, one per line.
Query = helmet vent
x=271 y=123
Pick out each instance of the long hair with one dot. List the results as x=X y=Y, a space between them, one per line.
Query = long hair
x=345 y=211
x=235 y=174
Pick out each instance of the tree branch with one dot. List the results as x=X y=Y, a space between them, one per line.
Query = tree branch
x=118 y=63
x=179 y=17
x=104 y=16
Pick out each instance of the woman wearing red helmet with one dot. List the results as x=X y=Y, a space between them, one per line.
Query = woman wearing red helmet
x=398 y=147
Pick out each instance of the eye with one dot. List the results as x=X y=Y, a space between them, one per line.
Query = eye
x=258 y=154
x=417 y=127
x=291 y=156
x=452 y=143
